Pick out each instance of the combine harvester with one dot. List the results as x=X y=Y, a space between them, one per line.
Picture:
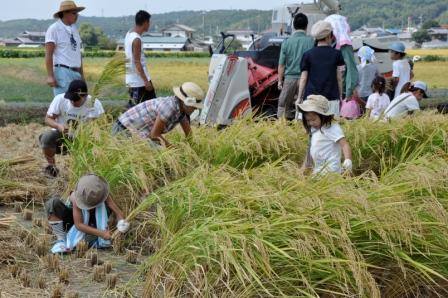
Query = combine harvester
x=245 y=82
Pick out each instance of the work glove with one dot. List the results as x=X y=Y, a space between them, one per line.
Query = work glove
x=280 y=85
x=122 y=226
x=347 y=165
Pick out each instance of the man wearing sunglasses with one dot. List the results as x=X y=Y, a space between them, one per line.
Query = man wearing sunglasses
x=65 y=112
x=63 y=48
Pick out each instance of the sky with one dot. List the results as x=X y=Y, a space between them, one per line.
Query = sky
x=44 y=9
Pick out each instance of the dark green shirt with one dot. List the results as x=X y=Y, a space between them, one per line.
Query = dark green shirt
x=292 y=51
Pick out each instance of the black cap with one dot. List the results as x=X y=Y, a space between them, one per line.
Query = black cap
x=76 y=89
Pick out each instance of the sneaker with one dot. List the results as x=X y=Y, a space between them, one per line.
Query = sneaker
x=51 y=171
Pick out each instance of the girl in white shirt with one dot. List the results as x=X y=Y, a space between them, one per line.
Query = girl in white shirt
x=379 y=100
x=326 y=138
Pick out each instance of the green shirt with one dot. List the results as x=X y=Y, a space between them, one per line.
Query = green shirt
x=292 y=51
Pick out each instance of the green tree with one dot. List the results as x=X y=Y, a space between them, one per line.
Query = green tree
x=421 y=36
x=95 y=37
x=430 y=24
x=89 y=34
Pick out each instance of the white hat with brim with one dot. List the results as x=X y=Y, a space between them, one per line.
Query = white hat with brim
x=190 y=94
x=422 y=86
x=316 y=103
x=68 y=6
x=90 y=191
x=321 y=30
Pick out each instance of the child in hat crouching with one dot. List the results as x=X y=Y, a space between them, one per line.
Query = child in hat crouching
x=326 y=138
x=85 y=216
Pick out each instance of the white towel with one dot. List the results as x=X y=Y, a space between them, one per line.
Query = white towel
x=74 y=235
x=341 y=30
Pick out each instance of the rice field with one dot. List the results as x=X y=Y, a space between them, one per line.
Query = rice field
x=229 y=213
x=24 y=79
x=427 y=52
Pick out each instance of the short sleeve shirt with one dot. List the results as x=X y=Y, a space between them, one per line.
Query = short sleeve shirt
x=67 y=44
x=322 y=65
x=67 y=114
x=325 y=149
x=366 y=76
x=378 y=104
x=292 y=52
x=402 y=105
x=141 y=118
x=402 y=71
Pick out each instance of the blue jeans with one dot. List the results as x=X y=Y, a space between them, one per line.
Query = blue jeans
x=64 y=77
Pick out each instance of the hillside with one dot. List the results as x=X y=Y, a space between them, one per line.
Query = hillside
x=393 y=13
x=360 y=12
x=214 y=22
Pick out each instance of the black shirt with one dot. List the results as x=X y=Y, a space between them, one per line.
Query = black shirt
x=322 y=64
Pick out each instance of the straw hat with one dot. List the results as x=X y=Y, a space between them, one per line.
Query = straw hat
x=68 y=6
x=191 y=94
x=316 y=103
x=90 y=191
x=321 y=30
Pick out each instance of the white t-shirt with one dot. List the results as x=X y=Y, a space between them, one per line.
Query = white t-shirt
x=378 y=104
x=67 y=49
x=67 y=114
x=325 y=151
x=401 y=105
x=402 y=71
x=133 y=79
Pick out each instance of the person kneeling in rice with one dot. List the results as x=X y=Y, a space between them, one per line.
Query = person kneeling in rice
x=84 y=216
x=326 y=138
x=151 y=119
x=66 y=111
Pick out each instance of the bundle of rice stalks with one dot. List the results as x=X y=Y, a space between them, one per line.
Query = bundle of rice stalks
x=380 y=146
x=19 y=180
x=5 y=222
x=111 y=75
x=130 y=166
x=269 y=231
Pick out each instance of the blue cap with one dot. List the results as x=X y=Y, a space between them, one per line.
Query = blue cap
x=398 y=47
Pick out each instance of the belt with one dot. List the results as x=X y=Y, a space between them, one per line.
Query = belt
x=77 y=69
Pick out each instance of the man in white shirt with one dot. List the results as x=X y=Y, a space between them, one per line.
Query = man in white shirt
x=138 y=79
x=63 y=49
x=65 y=112
x=407 y=103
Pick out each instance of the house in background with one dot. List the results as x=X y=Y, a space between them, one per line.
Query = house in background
x=178 y=30
x=171 y=39
x=26 y=39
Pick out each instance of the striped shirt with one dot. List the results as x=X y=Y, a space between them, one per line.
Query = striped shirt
x=141 y=118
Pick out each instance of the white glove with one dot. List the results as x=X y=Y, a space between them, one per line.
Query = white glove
x=347 y=165
x=280 y=85
x=122 y=226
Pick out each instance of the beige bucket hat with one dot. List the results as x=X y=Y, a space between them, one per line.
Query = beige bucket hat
x=316 y=103
x=68 y=6
x=321 y=29
x=90 y=191
x=191 y=94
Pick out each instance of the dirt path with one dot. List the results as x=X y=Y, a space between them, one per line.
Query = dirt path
x=20 y=244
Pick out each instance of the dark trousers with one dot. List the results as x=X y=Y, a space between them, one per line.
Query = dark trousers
x=139 y=95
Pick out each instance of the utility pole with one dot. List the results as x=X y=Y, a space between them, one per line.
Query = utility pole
x=203 y=25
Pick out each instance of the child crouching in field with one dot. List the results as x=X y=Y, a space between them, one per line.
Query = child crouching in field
x=379 y=100
x=85 y=217
x=326 y=138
